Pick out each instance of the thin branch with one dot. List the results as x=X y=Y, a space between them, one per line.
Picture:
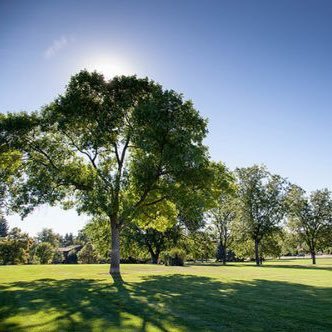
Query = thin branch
x=156 y=201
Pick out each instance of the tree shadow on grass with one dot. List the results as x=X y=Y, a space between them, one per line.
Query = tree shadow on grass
x=266 y=265
x=301 y=267
x=186 y=302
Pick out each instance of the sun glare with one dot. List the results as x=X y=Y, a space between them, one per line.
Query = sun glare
x=109 y=66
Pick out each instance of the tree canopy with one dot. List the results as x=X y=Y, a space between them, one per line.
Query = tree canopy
x=311 y=216
x=262 y=203
x=111 y=148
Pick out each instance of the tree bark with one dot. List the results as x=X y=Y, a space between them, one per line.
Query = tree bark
x=257 y=252
x=115 y=250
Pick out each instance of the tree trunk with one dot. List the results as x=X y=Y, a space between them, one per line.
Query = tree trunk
x=313 y=256
x=224 y=256
x=257 y=252
x=115 y=250
x=154 y=258
x=154 y=255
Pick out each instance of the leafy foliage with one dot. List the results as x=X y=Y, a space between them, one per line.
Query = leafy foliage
x=262 y=204
x=110 y=149
x=3 y=226
x=14 y=249
x=88 y=255
x=48 y=235
x=225 y=209
x=174 y=257
x=311 y=217
x=45 y=252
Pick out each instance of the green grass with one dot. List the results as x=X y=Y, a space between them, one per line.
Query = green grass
x=280 y=296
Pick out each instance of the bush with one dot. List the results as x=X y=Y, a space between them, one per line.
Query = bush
x=58 y=258
x=45 y=252
x=87 y=255
x=13 y=252
x=174 y=257
x=71 y=258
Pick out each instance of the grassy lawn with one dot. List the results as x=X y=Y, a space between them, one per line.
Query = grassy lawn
x=288 y=295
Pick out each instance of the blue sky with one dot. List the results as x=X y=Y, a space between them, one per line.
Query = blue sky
x=260 y=71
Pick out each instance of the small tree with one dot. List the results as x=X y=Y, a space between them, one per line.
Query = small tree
x=199 y=245
x=88 y=255
x=174 y=257
x=49 y=236
x=67 y=240
x=156 y=241
x=45 y=252
x=262 y=204
x=311 y=217
x=15 y=248
x=223 y=213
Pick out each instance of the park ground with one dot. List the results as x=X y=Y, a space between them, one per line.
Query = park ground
x=287 y=295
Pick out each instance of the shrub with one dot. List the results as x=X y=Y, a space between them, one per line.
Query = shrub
x=71 y=258
x=87 y=255
x=45 y=252
x=174 y=257
x=58 y=258
x=14 y=251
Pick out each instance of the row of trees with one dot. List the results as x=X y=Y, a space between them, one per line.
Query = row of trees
x=131 y=155
x=18 y=247
x=260 y=215
x=250 y=213
x=269 y=212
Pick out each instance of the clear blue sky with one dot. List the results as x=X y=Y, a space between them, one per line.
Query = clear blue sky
x=261 y=71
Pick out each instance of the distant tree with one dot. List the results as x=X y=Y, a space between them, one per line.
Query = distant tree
x=71 y=258
x=137 y=241
x=45 y=252
x=156 y=241
x=174 y=257
x=81 y=237
x=262 y=204
x=67 y=240
x=96 y=233
x=49 y=236
x=291 y=242
x=58 y=258
x=222 y=218
x=311 y=217
x=88 y=255
x=14 y=249
x=270 y=247
x=3 y=226
x=199 y=245
x=224 y=210
x=109 y=148
x=156 y=228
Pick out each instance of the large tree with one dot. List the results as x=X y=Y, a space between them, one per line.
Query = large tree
x=311 y=217
x=109 y=148
x=262 y=204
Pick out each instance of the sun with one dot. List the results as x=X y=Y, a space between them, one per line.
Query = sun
x=109 y=66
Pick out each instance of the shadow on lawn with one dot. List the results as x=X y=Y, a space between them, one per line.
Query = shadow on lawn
x=266 y=265
x=300 y=267
x=191 y=303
